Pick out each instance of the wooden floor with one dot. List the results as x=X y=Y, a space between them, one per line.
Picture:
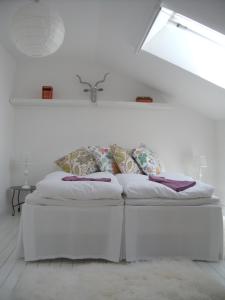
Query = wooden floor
x=11 y=268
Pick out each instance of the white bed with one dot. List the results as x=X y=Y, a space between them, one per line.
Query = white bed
x=162 y=222
x=72 y=227
x=81 y=220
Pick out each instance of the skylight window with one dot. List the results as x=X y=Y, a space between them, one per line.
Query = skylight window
x=187 y=44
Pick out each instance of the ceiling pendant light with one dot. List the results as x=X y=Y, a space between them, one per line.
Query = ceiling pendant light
x=36 y=30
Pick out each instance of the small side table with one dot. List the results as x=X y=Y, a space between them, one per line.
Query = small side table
x=18 y=189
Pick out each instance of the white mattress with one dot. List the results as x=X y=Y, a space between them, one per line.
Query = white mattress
x=172 y=202
x=36 y=199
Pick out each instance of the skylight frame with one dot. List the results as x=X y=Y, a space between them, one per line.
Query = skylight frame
x=185 y=23
x=189 y=45
x=200 y=29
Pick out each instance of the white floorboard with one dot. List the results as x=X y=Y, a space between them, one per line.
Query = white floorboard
x=11 y=268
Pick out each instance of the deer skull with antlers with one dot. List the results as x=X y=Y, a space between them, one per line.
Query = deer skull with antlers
x=93 y=89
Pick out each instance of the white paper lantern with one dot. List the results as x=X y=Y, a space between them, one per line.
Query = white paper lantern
x=36 y=30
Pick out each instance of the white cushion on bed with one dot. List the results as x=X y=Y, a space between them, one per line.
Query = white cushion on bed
x=139 y=186
x=52 y=186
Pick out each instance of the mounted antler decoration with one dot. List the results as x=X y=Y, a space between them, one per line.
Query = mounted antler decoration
x=93 y=89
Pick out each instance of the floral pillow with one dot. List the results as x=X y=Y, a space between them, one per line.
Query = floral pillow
x=124 y=161
x=147 y=160
x=80 y=162
x=104 y=159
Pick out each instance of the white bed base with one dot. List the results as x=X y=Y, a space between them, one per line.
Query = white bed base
x=70 y=232
x=114 y=232
x=195 y=232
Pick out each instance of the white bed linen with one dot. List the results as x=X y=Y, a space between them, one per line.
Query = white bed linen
x=71 y=232
x=36 y=198
x=173 y=202
x=139 y=186
x=52 y=186
x=195 y=232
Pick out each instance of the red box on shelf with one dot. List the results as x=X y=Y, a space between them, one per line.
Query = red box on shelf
x=47 y=92
x=144 y=99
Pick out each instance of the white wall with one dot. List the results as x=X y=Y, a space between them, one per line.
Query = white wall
x=47 y=133
x=221 y=158
x=7 y=70
x=61 y=74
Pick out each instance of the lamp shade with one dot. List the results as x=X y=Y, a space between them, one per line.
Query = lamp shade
x=36 y=30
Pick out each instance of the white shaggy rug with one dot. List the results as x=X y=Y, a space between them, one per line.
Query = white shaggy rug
x=156 y=280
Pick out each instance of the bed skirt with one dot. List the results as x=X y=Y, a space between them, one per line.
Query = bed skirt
x=48 y=232
x=183 y=231
x=115 y=232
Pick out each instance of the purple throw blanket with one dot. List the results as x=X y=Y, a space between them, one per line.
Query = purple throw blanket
x=176 y=185
x=77 y=178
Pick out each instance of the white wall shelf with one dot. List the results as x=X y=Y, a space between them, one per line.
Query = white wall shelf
x=100 y=103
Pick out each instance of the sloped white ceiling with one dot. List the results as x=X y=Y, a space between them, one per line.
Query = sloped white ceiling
x=108 y=32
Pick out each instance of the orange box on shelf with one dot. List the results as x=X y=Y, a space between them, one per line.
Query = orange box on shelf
x=47 y=92
x=144 y=99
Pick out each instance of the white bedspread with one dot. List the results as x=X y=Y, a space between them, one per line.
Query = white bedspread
x=52 y=186
x=139 y=186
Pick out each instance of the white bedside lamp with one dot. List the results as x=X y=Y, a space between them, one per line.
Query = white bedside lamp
x=202 y=165
x=26 y=171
